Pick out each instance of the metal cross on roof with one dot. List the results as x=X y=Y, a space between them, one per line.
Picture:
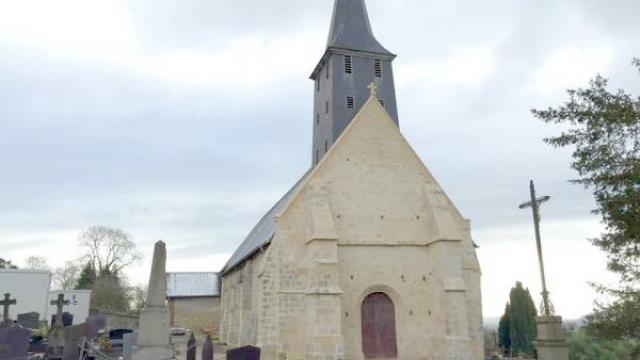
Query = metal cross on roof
x=59 y=304
x=534 y=204
x=5 y=304
x=373 y=88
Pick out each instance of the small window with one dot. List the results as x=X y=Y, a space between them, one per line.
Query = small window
x=317 y=119
x=350 y=102
x=326 y=107
x=348 y=64
x=327 y=71
x=377 y=67
x=318 y=84
x=326 y=146
x=381 y=102
x=317 y=156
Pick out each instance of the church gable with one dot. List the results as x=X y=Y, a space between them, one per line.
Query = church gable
x=377 y=189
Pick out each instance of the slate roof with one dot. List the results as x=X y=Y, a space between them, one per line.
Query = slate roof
x=192 y=284
x=262 y=233
x=350 y=28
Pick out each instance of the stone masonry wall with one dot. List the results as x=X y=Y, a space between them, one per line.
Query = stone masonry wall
x=201 y=314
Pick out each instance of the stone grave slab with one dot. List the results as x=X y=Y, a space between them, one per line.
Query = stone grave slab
x=30 y=320
x=191 y=347
x=74 y=337
x=129 y=342
x=207 y=349
x=14 y=343
x=244 y=353
x=95 y=323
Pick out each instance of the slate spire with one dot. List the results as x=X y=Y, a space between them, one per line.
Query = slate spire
x=351 y=29
x=352 y=61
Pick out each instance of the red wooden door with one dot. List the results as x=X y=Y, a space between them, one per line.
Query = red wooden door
x=378 y=327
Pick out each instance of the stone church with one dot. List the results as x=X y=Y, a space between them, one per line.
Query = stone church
x=365 y=257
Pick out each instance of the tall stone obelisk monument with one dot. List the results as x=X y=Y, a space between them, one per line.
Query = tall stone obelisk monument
x=153 y=336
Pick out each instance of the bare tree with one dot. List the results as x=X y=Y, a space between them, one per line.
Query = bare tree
x=66 y=276
x=109 y=250
x=138 y=298
x=37 y=263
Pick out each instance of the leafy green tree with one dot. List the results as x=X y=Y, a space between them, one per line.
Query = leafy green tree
x=504 y=329
x=522 y=326
x=7 y=264
x=603 y=129
x=87 y=277
x=585 y=347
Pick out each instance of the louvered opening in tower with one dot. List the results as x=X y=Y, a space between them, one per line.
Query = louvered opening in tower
x=350 y=102
x=348 y=64
x=377 y=67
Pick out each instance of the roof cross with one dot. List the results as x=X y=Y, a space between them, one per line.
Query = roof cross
x=373 y=88
x=5 y=304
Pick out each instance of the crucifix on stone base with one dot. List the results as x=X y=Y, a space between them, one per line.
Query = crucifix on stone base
x=59 y=304
x=5 y=304
x=534 y=204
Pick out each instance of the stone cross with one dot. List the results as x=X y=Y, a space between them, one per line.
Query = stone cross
x=5 y=304
x=534 y=204
x=373 y=88
x=59 y=303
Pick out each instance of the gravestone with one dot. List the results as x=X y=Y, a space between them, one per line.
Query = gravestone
x=129 y=341
x=244 y=353
x=191 y=347
x=30 y=320
x=6 y=321
x=55 y=338
x=14 y=343
x=207 y=349
x=74 y=338
x=67 y=319
x=95 y=323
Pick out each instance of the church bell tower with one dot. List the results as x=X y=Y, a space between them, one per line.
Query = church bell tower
x=353 y=59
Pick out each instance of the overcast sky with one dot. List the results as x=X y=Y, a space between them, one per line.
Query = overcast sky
x=186 y=120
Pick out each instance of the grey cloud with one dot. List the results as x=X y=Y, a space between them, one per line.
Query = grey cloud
x=86 y=143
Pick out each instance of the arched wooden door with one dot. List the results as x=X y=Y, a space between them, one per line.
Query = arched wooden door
x=379 y=327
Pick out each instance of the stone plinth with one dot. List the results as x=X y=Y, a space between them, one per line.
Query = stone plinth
x=551 y=341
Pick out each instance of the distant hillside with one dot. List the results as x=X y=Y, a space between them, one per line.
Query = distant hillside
x=491 y=323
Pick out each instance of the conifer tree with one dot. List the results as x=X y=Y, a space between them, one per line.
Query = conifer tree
x=87 y=277
x=517 y=327
x=504 y=328
x=522 y=324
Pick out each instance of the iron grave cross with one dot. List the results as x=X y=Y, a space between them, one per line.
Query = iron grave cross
x=534 y=204
x=5 y=304
x=59 y=303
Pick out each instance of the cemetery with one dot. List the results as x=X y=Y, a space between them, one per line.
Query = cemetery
x=88 y=340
